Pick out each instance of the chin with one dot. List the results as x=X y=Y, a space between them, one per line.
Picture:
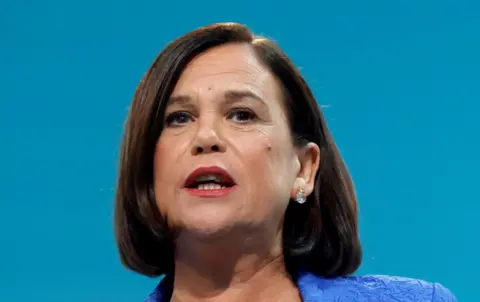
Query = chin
x=209 y=224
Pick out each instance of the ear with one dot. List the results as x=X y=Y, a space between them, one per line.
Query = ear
x=309 y=159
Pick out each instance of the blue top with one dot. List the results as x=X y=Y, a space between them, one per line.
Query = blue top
x=351 y=289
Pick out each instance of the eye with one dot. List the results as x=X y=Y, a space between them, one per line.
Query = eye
x=241 y=115
x=176 y=119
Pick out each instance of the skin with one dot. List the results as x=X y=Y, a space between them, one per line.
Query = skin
x=227 y=110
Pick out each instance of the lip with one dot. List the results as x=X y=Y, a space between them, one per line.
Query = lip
x=214 y=193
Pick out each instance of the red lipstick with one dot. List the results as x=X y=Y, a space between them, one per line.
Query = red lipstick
x=210 y=182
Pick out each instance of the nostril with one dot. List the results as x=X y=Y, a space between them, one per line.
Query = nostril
x=207 y=149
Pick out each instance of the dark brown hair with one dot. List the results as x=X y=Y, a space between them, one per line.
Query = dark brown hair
x=320 y=236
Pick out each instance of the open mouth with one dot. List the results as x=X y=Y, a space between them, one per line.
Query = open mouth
x=210 y=182
x=212 y=178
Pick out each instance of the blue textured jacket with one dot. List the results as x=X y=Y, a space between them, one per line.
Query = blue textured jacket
x=352 y=289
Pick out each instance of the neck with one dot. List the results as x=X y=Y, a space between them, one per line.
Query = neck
x=225 y=269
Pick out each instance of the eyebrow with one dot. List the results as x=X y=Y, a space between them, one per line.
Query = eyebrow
x=231 y=97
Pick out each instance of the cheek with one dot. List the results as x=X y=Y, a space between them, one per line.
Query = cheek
x=159 y=179
x=269 y=158
x=276 y=148
x=267 y=175
x=163 y=155
x=169 y=149
x=165 y=175
x=255 y=145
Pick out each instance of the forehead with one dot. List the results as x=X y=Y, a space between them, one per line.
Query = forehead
x=227 y=67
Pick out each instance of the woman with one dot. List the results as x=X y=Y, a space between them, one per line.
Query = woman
x=232 y=187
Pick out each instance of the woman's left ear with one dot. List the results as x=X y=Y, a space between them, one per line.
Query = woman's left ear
x=309 y=159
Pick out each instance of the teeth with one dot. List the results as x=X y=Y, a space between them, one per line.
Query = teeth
x=211 y=178
x=210 y=186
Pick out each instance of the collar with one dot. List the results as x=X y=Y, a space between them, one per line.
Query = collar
x=310 y=286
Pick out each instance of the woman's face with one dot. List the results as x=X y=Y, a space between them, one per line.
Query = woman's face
x=226 y=111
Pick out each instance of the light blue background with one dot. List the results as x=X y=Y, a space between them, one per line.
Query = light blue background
x=399 y=79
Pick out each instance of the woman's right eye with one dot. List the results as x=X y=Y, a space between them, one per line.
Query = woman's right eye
x=176 y=119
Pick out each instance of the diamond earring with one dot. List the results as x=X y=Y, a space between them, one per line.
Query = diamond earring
x=300 y=197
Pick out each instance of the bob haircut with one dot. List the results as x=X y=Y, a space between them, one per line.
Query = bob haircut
x=320 y=236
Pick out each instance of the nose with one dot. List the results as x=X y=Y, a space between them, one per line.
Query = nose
x=207 y=141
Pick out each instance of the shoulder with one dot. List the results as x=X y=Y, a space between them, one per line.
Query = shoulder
x=371 y=288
